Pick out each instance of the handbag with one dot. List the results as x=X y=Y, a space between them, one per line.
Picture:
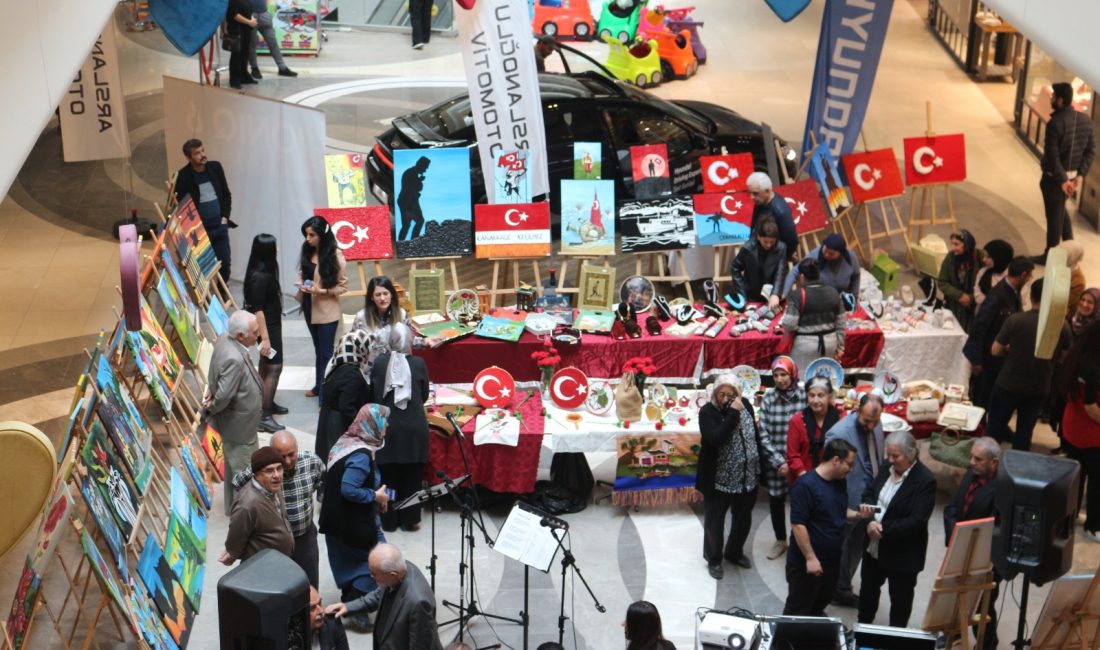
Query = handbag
x=230 y=42
x=786 y=344
x=628 y=401
x=951 y=448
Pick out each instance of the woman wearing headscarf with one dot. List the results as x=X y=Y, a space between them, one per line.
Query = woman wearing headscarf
x=806 y=433
x=1074 y=254
x=728 y=472
x=998 y=253
x=957 y=275
x=400 y=382
x=345 y=390
x=815 y=317
x=781 y=402
x=354 y=496
x=1087 y=312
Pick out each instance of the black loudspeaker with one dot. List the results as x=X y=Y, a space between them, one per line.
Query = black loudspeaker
x=1036 y=506
x=263 y=604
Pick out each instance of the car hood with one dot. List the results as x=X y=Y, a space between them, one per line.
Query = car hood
x=726 y=122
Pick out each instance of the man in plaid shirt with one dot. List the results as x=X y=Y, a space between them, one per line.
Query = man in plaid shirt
x=303 y=477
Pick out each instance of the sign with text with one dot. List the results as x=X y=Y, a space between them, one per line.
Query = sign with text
x=512 y=230
x=93 y=111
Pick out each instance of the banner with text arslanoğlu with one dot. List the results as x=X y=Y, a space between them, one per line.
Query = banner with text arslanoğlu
x=852 y=34
x=504 y=88
x=93 y=111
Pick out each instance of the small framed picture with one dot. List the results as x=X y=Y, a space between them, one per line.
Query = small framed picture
x=597 y=290
x=427 y=291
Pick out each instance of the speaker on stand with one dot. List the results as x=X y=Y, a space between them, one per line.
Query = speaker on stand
x=1036 y=510
x=263 y=604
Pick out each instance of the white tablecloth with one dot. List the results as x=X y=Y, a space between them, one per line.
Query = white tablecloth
x=599 y=433
x=927 y=352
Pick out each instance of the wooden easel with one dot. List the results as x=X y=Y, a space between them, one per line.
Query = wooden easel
x=809 y=241
x=1077 y=619
x=361 y=271
x=723 y=261
x=927 y=197
x=514 y=263
x=964 y=587
x=435 y=262
x=599 y=260
x=663 y=266
x=889 y=218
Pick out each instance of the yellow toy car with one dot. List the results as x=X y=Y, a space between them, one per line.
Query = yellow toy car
x=638 y=63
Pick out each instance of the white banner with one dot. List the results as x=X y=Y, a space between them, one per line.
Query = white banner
x=504 y=91
x=93 y=111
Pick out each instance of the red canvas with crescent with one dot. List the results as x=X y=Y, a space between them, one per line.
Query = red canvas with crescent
x=494 y=387
x=939 y=159
x=873 y=175
x=726 y=173
x=512 y=230
x=361 y=233
x=733 y=206
x=807 y=206
x=569 y=388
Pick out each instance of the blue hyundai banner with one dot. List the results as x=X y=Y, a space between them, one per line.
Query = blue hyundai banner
x=852 y=34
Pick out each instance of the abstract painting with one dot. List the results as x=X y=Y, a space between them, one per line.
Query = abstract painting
x=587 y=157
x=106 y=576
x=511 y=184
x=22 y=605
x=361 y=233
x=187 y=509
x=657 y=224
x=182 y=319
x=105 y=470
x=722 y=218
x=104 y=520
x=649 y=166
x=124 y=422
x=187 y=558
x=175 y=610
x=155 y=358
x=148 y=619
x=433 y=210
x=587 y=217
x=55 y=517
x=204 y=488
x=212 y=447
x=346 y=180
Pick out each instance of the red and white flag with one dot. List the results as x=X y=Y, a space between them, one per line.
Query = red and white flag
x=726 y=173
x=512 y=230
x=939 y=159
x=807 y=206
x=361 y=233
x=873 y=175
x=735 y=207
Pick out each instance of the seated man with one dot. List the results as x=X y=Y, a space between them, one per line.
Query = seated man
x=327 y=631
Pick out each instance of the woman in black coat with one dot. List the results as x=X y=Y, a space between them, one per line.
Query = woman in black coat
x=239 y=22
x=345 y=391
x=263 y=298
x=400 y=381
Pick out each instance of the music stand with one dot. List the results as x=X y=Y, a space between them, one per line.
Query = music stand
x=430 y=493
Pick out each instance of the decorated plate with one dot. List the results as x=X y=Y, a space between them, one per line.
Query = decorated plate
x=750 y=380
x=892 y=423
x=638 y=291
x=889 y=385
x=826 y=367
x=494 y=387
x=463 y=305
x=658 y=394
x=601 y=399
x=569 y=388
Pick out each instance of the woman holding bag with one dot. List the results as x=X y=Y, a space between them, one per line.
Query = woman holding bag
x=321 y=282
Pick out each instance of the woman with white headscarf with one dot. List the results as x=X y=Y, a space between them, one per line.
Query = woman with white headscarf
x=345 y=390
x=728 y=472
x=400 y=381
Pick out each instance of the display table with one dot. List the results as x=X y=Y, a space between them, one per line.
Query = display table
x=922 y=430
x=598 y=433
x=926 y=352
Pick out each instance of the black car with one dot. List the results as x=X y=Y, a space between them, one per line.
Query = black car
x=588 y=107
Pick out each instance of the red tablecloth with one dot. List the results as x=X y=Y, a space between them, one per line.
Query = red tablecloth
x=497 y=467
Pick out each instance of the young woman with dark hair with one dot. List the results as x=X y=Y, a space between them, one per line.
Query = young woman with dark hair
x=321 y=282
x=263 y=298
x=642 y=628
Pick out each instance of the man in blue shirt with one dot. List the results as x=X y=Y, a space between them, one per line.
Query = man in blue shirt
x=204 y=181
x=819 y=513
x=769 y=204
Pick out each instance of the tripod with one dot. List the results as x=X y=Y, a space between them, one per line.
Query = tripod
x=467 y=608
x=430 y=494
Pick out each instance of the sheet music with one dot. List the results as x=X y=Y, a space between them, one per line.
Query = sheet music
x=523 y=539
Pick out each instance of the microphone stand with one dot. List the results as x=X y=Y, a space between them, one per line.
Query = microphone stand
x=567 y=560
x=468 y=507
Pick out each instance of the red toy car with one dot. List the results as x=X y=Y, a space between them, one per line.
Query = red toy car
x=563 y=19
x=677 y=58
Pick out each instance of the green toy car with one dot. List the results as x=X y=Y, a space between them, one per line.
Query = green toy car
x=619 y=19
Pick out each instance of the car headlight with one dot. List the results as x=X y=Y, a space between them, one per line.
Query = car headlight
x=788 y=153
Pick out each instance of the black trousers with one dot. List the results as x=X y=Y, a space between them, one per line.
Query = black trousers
x=715 y=506
x=420 y=18
x=238 y=61
x=405 y=479
x=219 y=241
x=808 y=595
x=1059 y=225
x=305 y=554
x=901 y=587
x=778 y=509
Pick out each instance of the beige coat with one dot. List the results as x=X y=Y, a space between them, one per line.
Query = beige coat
x=326 y=306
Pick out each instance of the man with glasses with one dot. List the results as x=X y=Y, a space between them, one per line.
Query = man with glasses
x=259 y=520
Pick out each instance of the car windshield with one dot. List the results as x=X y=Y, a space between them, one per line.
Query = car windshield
x=696 y=120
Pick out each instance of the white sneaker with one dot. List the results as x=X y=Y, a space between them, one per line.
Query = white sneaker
x=778 y=550
x=1093 y=536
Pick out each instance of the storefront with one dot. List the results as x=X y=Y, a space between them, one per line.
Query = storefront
x=981 y=42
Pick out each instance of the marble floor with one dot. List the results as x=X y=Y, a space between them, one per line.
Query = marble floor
x=61 y=264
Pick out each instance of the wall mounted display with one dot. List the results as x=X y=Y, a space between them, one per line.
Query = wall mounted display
x=938 y=159
x=432 y=209
x=823 y=170
x=175 y=610
x=511 y=183
x=346 y=180
x=807 y=207
x=587 y=217
x=597 y=287
x=512 y=230
x=106 y=471
x=873 y=175
x=657 y=224
x=722 y=218
x=587 y=160
x=426 y=291
x=728 y=173
x=361 y=233
x=649 y=166
x=155 y=358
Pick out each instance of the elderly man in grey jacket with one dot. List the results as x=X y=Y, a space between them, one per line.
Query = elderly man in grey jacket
x=233 y=396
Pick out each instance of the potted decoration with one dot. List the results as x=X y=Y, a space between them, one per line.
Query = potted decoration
x=641 y=367
x=546 y=360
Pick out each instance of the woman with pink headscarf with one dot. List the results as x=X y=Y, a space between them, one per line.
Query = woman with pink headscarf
x=780 y=404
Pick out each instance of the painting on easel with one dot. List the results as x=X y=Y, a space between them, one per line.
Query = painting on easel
x=649 y=164
x=512 y=230
x=807 y=207
x=722 y=218
x=587 y=157
x=104 y=469
x=215 y=313
x=935 y=159
x=345 y=180
x=55 y=517
x=106 y=576
x=124 y=423
x=187 y=557
x=104 y=520
x=148 y=619
x=823 y=170
x=873 y=175
x=361 y=233
x=212 y=447
x=192 y=244
x=433 y=204
x=511 y=183
x=587 y=217
x=175 y=610
x=184 y=321
x=657 y=225
x=155 y=358
x=22 y=605
x=202 y=486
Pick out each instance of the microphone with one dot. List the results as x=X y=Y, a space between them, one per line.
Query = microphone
x=553 y=522
x=456 y=425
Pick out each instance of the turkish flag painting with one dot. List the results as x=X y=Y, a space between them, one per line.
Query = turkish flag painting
x=807 y=206
x=512 y=230
x=939 y=159
x=723 y=218
x=726 y=173
x=361 y=233
x=873 y=175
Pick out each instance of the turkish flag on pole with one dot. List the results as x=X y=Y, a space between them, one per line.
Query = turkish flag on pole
x=512 y=230
x=361 y=233
x=726 y=173
x=873 y=175
x=807 y=206
x=939 y=159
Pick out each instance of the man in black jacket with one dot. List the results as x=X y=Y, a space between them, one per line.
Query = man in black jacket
x=976 y=499
x=1002 y=301
x=327 y=631
x=1067 y=154
x=204 y=181
x=901 y=500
